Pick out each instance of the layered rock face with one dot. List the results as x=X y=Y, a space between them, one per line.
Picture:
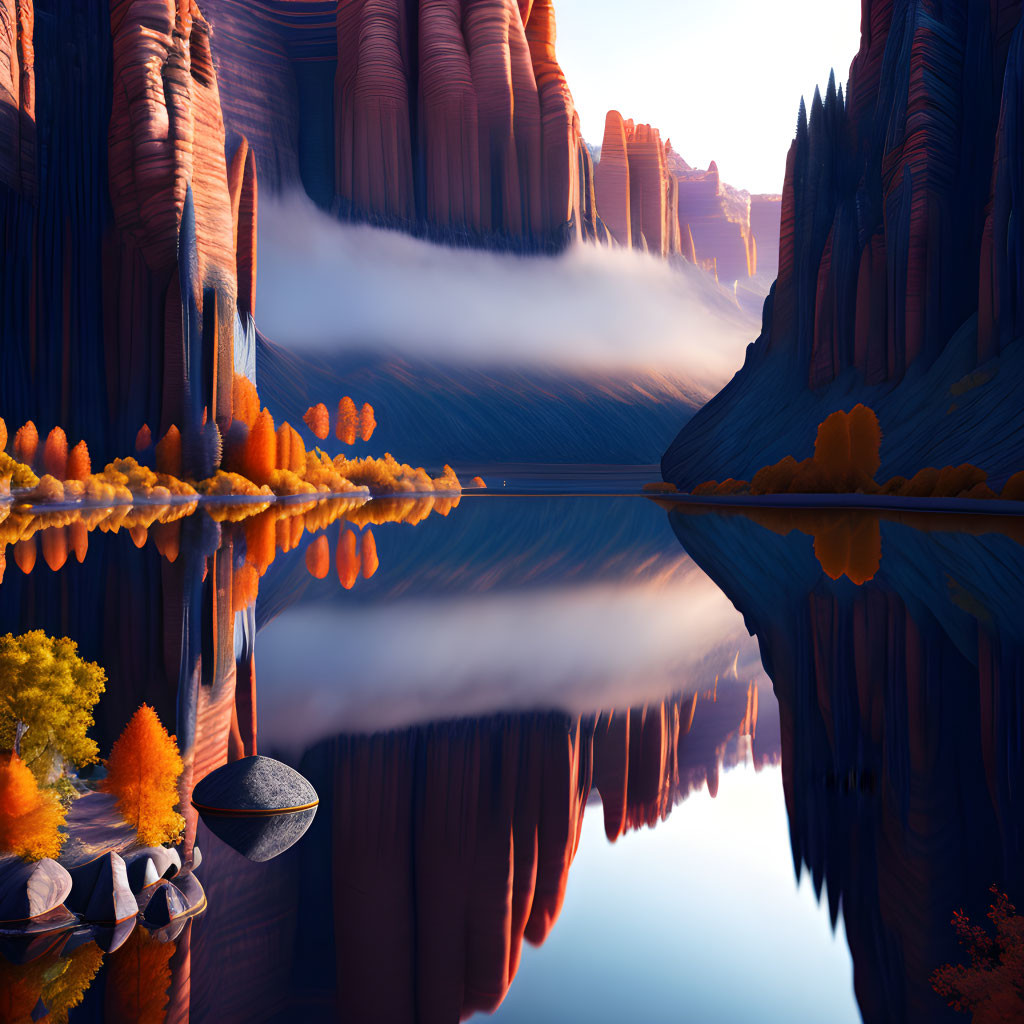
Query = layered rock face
x=649 y=198
x=718 y=217
x=448 y=117
x=126 y=243
x=900 y=224
x=899 y=705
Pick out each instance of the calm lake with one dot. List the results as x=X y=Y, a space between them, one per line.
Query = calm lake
x=580 y=754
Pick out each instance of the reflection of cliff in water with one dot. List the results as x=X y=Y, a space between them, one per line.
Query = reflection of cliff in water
x=902 y=716
x=437 y=850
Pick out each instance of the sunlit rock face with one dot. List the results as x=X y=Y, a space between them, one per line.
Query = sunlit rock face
x=900 y=225
x=899 y=705
x=718 y=217
x=125 y=240
x=447 y=117
x=649 y=198
x=765 y=223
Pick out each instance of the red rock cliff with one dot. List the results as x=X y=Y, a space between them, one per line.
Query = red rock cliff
x=450 y=117
x=649 y=198
x=105 y=203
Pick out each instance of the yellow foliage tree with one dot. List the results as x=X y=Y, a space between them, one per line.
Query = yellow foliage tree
x=30 y=818
x=142 y=773
x=47 y=693
x=68 y=984
x=60 y=982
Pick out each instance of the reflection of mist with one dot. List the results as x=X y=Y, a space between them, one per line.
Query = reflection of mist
x=581 y=650
x=323 y=283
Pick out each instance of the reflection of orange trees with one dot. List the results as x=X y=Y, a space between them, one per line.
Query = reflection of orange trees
x=47 y=693
x=63 y=532
x=845 y=461
x=138 y=980
x=991 y=986
x=59 y=982
x=30 y=818
x=142 y=773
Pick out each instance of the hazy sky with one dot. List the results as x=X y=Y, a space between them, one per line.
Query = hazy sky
x=721 y=78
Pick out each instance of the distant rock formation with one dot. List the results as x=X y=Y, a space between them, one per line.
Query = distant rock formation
x=446 y=118
x=649 y=198
x=900 y=266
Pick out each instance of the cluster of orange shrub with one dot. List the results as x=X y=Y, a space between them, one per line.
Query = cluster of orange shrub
x=258 y=459
x=846 y=458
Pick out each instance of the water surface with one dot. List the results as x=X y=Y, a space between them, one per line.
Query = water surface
x=579 y=756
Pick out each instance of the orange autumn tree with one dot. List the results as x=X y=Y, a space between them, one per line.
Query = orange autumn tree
x=30 y=818
x=348 y=421
x=142 y=773
x=144 y=438
x=55 y=454
x=259 y=455
x=245 y=400
x=168 y=452
x=3 y=435
x=26 y=441
x=79 y=464
x=318 y=419
x=367 y=422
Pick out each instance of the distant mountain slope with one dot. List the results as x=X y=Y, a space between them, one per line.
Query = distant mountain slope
x=467 y=414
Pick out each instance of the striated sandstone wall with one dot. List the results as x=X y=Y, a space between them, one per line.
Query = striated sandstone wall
x=124 y=242
x=445 y=117
x=649 y=198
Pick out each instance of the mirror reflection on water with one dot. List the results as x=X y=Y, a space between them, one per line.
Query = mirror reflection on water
x=577 y=756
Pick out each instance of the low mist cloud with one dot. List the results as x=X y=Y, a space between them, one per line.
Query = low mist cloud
x=326 y=670
x=328 y=286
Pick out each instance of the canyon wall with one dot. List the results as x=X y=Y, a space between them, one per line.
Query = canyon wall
x=650 y=198
x=127 y=244
x=899 y=705
x=442 y=117
x=901 y=248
